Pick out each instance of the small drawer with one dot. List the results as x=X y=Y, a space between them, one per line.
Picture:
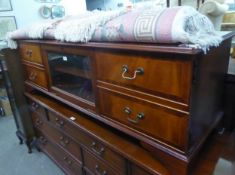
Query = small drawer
x=62 y=140
x=38 y=115
x=31 y=52
x=66 y=162
x=36 y=75
x=170 y=78
x=37 y=111
x=143 y=117
x=90 y=143
x=96 y=166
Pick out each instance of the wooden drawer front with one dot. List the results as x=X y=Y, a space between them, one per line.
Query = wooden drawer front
x=38 y=113
x=67 y=143
x=135 y=170
x=67 y=163
x=96 y=166
x=144 y=117
x=93 y=145
x=36 y=75
x=164 y=77
x=30 y=52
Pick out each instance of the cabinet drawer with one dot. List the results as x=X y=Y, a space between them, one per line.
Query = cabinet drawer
x=90 y=143
x=145 y=118
x=31 y=52
x=166 y=77
x=38 y=112
x=36 y=75
x=96 y=166
x=67 y=163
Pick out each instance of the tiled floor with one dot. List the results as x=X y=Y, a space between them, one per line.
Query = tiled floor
x=14 y=159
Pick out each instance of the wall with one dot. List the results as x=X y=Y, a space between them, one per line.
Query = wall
x=26 y=11
x=104 y=4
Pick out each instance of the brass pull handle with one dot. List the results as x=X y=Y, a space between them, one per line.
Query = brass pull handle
x=138 y=71
x=59 y=122
x=34 y=106
x=38 y=122
x=33 y=76
x=69 y=162
x=43 y=140
x=99 y=171
x=137 y=119
x=63 y=141
x=29 y=53
x=127 y=110
x=94 y=148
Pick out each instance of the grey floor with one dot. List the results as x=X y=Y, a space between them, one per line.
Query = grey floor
x=231 y=68
x=14 y=158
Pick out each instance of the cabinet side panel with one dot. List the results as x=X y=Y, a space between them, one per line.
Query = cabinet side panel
x=207 y=92
x=20 y=109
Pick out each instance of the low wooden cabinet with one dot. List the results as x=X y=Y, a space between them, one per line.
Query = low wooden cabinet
x=123 y=109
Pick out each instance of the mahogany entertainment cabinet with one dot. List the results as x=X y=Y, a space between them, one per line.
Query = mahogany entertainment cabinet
x=123 y=109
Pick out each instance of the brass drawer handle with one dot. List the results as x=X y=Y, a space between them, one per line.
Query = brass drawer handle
x=69 y=162
x=29 y=53
x=33 y=76
x=127 y=110
x=38 y=122
x=138 y=71
x=137 y=119
x=59 y=122
x=34 y=106
x=95 y=149
x=43 y=140
x=63 y=141
x=99 y=171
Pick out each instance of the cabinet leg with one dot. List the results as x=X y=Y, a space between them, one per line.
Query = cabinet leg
x=19 y=137
x=28 y=144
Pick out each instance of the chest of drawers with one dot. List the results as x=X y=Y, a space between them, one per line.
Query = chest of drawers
x=123 y=108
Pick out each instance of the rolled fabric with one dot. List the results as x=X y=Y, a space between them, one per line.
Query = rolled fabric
x=213 y=8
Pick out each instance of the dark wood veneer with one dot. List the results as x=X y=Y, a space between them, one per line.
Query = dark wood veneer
x=169 y=110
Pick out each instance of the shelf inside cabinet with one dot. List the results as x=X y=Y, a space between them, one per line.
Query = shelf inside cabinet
x=73 y=71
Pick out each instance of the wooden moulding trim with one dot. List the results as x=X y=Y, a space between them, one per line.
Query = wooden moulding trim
x=32 y=63
x=173 y=151
x=31 y=84
x=130 y=156
x=73 y=96
x=155 y=103
x=150 y=47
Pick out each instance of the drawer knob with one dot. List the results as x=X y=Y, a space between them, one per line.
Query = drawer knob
x=99 y=171
x=137 y=119
x=127 y=110
x=138 y=71
x=96 y=150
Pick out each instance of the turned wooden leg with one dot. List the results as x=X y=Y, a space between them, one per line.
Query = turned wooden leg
x=28 y=144
x=19 y=137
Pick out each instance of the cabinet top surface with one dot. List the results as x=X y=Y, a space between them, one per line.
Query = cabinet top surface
x=161 y=48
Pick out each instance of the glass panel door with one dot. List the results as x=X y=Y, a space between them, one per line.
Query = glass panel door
x=72 y=74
